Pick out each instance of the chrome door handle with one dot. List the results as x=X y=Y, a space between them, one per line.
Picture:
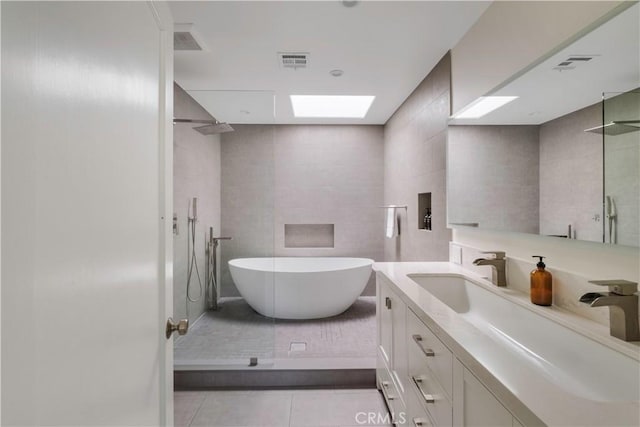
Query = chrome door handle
x=182 y=327
x=427 y=351
x=387 y=302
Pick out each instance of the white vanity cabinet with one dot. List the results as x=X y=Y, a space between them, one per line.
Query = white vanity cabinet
x=423 y=382
x=391 y=357
x=475 y=404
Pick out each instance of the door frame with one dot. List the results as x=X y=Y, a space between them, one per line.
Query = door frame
x=164 y=20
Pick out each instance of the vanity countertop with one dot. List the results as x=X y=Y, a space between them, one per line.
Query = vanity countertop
x=531 y=397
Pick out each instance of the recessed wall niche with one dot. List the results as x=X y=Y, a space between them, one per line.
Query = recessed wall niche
x=308 y=236
x=424 y=211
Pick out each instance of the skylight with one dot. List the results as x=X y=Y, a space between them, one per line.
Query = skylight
x=331 y=106
x=483 y=106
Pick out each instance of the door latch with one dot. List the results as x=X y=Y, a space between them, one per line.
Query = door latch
x=182 y=327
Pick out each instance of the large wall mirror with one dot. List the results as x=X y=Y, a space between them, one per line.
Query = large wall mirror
x=563 y=158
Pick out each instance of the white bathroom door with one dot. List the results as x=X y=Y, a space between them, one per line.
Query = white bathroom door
x=86 y=202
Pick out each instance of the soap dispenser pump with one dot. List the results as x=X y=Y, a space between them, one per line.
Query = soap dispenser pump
x=541 y=284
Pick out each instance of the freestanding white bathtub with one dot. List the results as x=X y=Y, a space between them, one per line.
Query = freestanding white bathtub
x=300 y=288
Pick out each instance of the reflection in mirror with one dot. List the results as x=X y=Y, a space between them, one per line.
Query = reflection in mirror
x=621 y=130
x=530 y=167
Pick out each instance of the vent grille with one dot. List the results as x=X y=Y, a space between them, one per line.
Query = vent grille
x=293 y=60
x=572 y=61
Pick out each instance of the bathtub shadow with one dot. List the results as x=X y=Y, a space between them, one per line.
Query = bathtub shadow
x=236 y=309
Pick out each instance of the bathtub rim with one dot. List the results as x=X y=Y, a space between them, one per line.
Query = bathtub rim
x=363 y=262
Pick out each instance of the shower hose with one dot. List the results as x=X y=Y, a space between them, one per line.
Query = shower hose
x=193 y=262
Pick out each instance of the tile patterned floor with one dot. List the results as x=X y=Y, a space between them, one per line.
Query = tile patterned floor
x=236 y=331
x=281 y=408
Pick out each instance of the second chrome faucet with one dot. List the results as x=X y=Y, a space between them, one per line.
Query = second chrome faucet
x=498 y=262
x=622 y=301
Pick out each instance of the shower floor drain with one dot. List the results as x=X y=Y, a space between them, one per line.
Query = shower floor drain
x=298 y=346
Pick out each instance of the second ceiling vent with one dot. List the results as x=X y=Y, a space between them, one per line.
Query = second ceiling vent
x=293 y=60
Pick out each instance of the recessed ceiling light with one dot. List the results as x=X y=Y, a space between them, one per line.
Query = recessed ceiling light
x=336 y=73
x=349 y=3
x=331 y=106
x=482 y=106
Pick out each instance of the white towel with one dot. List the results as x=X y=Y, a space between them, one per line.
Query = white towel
x=391 y=226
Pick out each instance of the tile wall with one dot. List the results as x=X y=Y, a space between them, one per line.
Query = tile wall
x=571 y=175
x=274 y=175
x=196 y=173
x=493 y=177
x=415 y=140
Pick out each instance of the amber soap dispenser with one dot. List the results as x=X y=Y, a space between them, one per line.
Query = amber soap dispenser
x=541 y=284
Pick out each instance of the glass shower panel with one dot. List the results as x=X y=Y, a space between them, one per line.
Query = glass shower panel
x=233 y=334
x=621 y=140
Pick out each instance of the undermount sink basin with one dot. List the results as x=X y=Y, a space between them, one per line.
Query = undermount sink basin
x=577 y=364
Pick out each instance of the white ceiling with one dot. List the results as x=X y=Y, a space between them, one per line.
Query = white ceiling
x=385 y=48
x=546 y=94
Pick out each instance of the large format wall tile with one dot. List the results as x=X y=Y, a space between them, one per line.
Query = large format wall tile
x=196 y=173
x=415 y=162
x=301 y=174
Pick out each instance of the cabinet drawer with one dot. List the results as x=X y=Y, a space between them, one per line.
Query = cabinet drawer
x=390 y=392
x=426 y=351
x=433 y=399
x=417 y=416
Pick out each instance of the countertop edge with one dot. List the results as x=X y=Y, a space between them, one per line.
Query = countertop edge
x=594 y=415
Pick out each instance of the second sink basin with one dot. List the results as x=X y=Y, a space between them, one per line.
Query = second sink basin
x=574 y=362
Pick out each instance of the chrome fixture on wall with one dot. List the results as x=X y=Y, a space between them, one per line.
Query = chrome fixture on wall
x=616 y=127
x=211 y=127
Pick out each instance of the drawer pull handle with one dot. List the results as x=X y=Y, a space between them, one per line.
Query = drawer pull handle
x=427 y=351
x=429 y=398
x=419 y=422
x=385 y=388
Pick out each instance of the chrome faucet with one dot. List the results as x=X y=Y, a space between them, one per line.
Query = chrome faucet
x=498 y=262
x=623 y=307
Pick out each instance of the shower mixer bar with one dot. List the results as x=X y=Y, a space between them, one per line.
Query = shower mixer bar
x=211 y=290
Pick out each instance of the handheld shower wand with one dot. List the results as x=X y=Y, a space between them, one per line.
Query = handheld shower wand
x=194 y=210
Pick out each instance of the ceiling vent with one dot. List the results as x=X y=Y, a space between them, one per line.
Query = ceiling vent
x=185 y=38
x=293 y=60
x=572 y=61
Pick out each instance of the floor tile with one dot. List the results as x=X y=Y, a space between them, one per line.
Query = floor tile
x=236 y=331
x=244 y=409
x=336 y=409
x=185 y=406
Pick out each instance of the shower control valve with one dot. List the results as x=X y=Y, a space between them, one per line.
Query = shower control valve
x=175 y=224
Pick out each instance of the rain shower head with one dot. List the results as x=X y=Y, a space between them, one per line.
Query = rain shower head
x=617 y=127
x=214 y=128
x=211 y=127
